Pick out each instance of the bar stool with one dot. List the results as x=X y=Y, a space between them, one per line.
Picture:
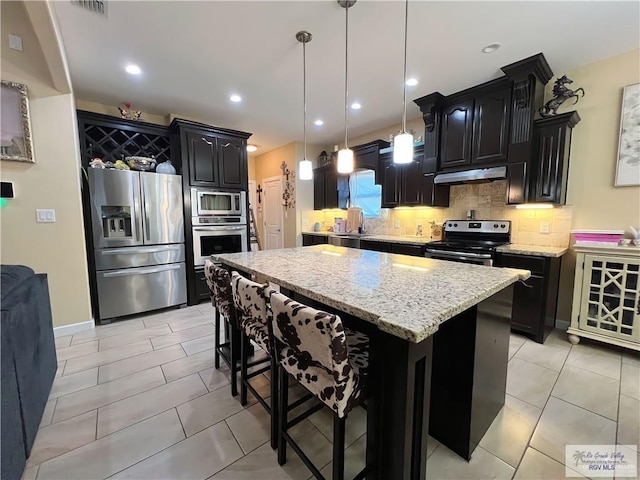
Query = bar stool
x=219 y=283
x=328 y=360
x=250 y=301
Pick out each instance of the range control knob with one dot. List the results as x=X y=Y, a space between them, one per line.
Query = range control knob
x=449 y=224
x=455 y=224
x=503 y=226
x=495 y=225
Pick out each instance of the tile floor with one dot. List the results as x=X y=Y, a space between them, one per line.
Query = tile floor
x=140 y=399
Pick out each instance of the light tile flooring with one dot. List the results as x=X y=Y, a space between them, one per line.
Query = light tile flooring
x=140 y=399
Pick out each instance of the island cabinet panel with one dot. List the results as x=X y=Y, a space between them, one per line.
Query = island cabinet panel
x=457 y=129
x=330 y=190
x=535 y=299
x=232 y=161
x=202 y=159
x=491 y=119
x=308 y=239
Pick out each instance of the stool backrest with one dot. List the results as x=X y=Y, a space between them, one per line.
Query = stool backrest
x=219 y=283
x=250 y=300
x=316 y=338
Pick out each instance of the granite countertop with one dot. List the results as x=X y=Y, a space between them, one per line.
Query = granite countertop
x=408 y=239
x=408 y=297
x=534 y=250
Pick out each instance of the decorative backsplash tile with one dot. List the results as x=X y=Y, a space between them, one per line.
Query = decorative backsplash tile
x=488 y=202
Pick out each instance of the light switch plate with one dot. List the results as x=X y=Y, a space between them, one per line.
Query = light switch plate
x=396 y=224
x=15 y=42
x=45 y=215
x=544 y=227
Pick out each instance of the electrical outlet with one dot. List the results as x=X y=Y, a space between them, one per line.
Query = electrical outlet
x=45 y=215
x=305 y=222
x=544 y=227
x=15 y=42
x=396 y=224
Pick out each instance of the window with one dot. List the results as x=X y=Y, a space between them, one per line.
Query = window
x=365 y=194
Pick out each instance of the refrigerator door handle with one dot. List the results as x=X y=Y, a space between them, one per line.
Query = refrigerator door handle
x=141 y=270
x=120 y=251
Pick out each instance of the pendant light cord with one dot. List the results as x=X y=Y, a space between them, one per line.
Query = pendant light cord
x=404 y=87
x=346 y=66
x=304 y=93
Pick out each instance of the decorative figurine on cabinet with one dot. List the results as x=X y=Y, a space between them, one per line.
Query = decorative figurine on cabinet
x=560 y=94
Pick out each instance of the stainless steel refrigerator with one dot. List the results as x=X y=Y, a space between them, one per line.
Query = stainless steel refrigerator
x=138 y=236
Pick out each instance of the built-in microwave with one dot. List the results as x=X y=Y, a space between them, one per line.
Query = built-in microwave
x=206 y=202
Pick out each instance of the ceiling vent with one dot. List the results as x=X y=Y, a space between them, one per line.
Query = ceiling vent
x=96 y=6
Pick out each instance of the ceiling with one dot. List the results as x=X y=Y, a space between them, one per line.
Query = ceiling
x=194 y=55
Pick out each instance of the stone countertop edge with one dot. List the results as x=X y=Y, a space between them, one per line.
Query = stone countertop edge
x=409 y=240
x=413 y=335
x=533 y=250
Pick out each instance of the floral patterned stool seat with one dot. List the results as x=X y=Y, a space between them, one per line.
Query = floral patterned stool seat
x=252 y=313
x=219 y=283
x=328 y=360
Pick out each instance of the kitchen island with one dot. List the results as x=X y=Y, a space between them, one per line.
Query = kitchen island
x=439 y=336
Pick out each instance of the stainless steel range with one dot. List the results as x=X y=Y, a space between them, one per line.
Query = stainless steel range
x=470 y=241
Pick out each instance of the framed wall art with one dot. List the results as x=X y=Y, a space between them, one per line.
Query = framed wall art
x=628 y=163
x=15 y=126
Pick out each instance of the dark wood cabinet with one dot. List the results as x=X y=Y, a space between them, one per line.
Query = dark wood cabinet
x=202 y=159
x=310 y=239
x=232 y=161
x=411 y=180
x=434 y=195
x=375 y=246
x=330 y=190
x=491 y=120
x=367 y=156
x=550 y=165
x=408 y=249
x=457 y=129
x=201 y=288
x=216 y=157
x=390 y=182
x=535 y=299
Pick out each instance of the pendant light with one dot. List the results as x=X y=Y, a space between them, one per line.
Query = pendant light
x=306 y=167
x=403 y=141
x=345 y=156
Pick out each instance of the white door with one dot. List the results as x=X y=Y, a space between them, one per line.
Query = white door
x=273 y=211
x=252 y=196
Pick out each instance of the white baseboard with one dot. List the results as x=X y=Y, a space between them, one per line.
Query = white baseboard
x=73 y=328
x=562 y=324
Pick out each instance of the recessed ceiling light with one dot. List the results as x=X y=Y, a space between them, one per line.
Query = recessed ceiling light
x=133 y=69
x=252 y=148
x=412 y=82
x=356 y=106
x=491 y=48
x=318 y=122
x=235 y=98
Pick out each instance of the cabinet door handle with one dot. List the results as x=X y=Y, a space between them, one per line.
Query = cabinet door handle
x=207 y=141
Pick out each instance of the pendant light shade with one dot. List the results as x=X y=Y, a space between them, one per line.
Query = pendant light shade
x=345 y=156
x=306 y=167
x=345 y=160
x=403 y=141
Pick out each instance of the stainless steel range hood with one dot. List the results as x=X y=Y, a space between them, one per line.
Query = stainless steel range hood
x=479 y=175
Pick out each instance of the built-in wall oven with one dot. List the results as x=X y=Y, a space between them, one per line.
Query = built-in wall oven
x=211 y=236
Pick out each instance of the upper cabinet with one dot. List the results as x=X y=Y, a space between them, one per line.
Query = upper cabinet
x=216 y=157
x=491 y=115
x=367 y=156
x=457 y=128
x=330 y=190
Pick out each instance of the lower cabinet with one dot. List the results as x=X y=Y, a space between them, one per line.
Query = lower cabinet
x=389 y=247
x=308 y=240
x=375 y=246
x=201 y=287
x=535 y=299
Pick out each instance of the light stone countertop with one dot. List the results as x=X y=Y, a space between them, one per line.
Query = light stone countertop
x=533 y=250
x=407 y=239
x=408 y=297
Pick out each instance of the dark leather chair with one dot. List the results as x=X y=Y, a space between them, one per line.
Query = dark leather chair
x=29 y=362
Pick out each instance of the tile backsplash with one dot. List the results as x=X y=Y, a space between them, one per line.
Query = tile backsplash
x=488 y=201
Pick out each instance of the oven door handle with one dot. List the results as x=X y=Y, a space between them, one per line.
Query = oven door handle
x=216 y=229
x=448 y=253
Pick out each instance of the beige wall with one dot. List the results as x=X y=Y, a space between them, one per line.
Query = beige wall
x=58 y=248
x=114 y=112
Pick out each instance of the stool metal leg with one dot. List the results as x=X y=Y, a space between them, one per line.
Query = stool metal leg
x=283 y=385
x=234 y=351
x=216 y=336
x=275 y=403
x=338 y=446
x=244 y=353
